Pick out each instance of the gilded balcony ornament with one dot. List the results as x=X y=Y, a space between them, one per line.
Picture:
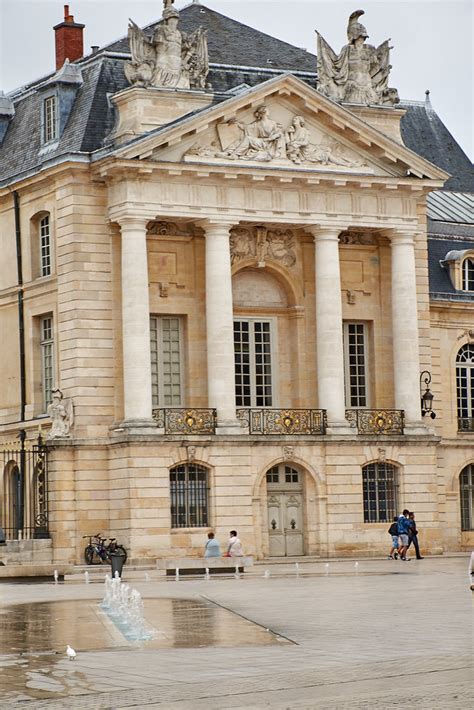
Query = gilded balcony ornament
x=186 y=421
x=283 y=421
x=376 y=421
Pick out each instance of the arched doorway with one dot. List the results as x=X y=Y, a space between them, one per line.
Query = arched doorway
x=285 y=503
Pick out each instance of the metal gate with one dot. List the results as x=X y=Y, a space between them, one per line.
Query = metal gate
x=24 y=489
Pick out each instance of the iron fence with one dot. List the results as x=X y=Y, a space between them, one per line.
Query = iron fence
x=186 y=421
x=24 y=500
x=466 y=424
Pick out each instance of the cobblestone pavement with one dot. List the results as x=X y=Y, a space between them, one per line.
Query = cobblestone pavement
x=392 y=635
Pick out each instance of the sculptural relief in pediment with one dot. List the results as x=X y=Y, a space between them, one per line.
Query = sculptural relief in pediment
x=285 y=140
x=260 y=245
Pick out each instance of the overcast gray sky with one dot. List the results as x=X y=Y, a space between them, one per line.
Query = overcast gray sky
x=432 y=39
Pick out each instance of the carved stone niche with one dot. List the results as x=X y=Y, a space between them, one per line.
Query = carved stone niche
x=359 y=238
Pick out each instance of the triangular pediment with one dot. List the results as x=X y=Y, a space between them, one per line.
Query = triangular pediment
x=279 y=125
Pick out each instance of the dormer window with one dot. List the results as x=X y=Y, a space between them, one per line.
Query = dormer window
x=50 y=122
x=468 y=274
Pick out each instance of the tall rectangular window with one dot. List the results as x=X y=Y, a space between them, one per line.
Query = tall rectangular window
x=189 y=496
x=47 y=359
x=166 y=361
x=45 y=246
x=355 y=365
x=49 y=119
x=253 y=363
x=379 y=485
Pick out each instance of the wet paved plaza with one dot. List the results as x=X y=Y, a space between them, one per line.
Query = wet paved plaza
x=378 y=635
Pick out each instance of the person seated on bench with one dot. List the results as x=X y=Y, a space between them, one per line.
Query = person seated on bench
x=235 y=546
x=212 y=548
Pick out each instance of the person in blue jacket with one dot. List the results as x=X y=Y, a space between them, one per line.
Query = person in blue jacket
x=212 y=549
x=403 y=532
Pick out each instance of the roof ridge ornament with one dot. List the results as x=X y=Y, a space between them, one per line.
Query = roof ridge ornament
x=359 y=73
x=170 y=58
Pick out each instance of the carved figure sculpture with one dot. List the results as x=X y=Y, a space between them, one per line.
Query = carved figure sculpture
x=61 y=413
x=261 y=140
x=265 y=140
x=299 y=148
x=170 y=58
x=359 y=74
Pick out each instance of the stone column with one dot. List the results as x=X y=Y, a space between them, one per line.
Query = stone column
x=329 y=332
x=135 y=323
x=220 y=326
x=406 y=357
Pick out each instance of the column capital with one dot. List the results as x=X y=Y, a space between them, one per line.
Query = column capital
x=132 y=221
x=325 y=233
x=401 y=236
x=216 y=226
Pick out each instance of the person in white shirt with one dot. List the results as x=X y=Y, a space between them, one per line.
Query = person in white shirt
x=235 y=546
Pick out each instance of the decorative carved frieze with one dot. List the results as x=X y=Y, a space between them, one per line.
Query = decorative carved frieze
x=361 y=238
x=265 y=140
x=263 y=245
x=162 y=228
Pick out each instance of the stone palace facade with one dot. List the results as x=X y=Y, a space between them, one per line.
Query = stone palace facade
x=226 y=298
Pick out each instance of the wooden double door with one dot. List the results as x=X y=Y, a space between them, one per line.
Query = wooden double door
x=285 y=511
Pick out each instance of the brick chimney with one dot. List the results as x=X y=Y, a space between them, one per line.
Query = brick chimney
x=69 y=41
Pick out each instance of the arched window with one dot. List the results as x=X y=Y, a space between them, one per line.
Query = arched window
x=466 y=490
x=189 y=496
x=465 y=387
x=45 y=246
x=468 y=274
x=379 y=482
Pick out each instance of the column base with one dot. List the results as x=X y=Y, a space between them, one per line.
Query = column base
x=343 y=428
x=230 y=427
x=419 y=429
x=136 y=426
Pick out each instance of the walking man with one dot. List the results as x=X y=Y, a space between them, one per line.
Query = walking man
x=413 y=535
x=403 y=530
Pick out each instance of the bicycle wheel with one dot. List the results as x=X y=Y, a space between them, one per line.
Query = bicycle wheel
x=120 y=550
x=91 y=557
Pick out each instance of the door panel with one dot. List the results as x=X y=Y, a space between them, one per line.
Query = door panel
x=285 y=518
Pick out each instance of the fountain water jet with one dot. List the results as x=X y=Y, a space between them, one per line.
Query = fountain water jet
x=124 y=606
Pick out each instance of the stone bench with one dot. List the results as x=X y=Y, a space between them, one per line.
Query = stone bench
x=198 y=565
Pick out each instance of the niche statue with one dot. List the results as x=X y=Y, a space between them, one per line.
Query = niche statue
x=359 y=73
x=61 y=413
x=170 y=58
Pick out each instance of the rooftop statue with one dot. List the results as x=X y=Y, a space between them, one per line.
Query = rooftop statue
x=170 y=58
x=359 y=73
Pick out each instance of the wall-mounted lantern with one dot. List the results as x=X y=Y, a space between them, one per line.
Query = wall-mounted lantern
x=426 y=395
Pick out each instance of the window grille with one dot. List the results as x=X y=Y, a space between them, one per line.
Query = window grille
x=273 y=475
x=468 y=275
x=355 y=365
x=189 y=496
x=47 y=359
x=282 y=474
x=50 y=119
x=379 y=481
x=166 y=371
x=291 y=476
x=465 y=381
x=45 y=246
x=253 y=363
x=466 y=486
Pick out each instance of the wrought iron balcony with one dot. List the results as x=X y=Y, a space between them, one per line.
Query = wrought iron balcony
x=283 y=421
x=377 y=421
x=186 y=421
x=466 y=424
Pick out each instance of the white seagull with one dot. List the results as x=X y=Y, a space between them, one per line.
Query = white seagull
x=70 y=652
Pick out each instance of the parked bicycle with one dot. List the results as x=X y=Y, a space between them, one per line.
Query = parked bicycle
x=97 y=551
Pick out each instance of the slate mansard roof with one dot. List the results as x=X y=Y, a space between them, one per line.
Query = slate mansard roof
x=238 y=55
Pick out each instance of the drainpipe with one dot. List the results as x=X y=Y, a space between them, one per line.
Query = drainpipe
x=21 y=316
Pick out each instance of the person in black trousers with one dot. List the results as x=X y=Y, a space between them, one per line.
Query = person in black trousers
x=413 y=536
